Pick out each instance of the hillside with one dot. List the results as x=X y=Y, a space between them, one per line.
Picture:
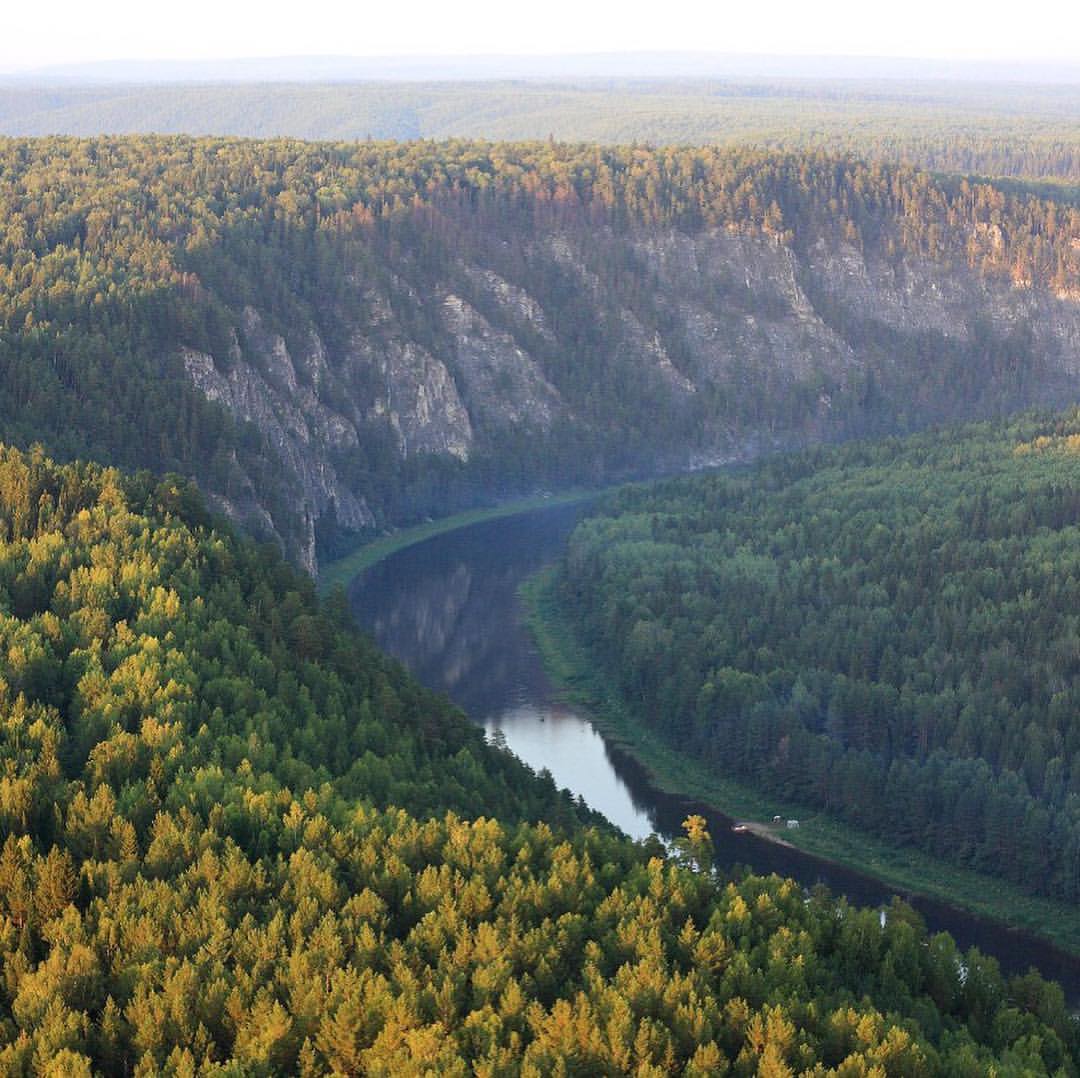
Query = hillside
x=236 y=840
x=334 y=337
x=883 y=632
x=1003 y=128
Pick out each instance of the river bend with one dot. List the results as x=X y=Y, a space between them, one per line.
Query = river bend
x=448 y=608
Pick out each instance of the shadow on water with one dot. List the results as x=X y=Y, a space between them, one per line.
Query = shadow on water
x=448 y=609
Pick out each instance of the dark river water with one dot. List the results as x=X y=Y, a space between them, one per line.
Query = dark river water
x=448 y=609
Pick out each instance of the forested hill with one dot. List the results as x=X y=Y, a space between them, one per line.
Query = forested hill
x=331 y=337
x=1003 y=128
x=884 y=632
x=235 y=840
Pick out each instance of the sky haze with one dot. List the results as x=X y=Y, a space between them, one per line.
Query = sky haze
x=80 y=33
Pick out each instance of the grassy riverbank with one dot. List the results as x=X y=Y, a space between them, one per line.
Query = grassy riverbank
x=340 y=572
x=908 y=871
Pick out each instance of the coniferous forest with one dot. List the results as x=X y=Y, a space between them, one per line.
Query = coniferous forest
x=119 y=256
x=239 y=841
x=998 y=129
x=883 y=631
x=236 y=839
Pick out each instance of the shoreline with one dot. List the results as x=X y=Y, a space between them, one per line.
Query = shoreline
x=763 y=831
x=906 y=871
x=341 y=571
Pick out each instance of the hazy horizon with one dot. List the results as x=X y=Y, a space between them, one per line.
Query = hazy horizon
x=246 y=31
x=621 y=64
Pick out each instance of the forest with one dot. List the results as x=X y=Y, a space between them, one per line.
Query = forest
x=118 y=253
x=884 y=632
x=239 y=841
x=1025 y=131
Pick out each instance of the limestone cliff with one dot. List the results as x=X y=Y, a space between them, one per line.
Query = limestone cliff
x=644 y=350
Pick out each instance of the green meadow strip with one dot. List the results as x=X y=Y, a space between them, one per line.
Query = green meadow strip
x=340 y=572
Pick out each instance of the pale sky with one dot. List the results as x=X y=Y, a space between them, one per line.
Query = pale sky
x=65 y=31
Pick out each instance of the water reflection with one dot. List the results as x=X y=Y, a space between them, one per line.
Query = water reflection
x=448 y=609
x=557 y=739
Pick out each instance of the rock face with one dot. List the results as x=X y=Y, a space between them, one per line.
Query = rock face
x=502 y=383
x=656 y=349
x=418 y=397
x=304 y=433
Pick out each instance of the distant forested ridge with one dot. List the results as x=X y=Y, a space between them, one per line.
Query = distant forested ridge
x=887 y=632
x=332 y=337
x=984 y=128
x=236 y=840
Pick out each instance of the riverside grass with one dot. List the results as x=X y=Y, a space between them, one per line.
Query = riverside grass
x=568 y=663
x=340 y=572
x=570 y=667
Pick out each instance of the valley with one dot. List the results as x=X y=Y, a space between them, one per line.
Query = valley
x=645 y=578
x=344 y=338
x=238 y=836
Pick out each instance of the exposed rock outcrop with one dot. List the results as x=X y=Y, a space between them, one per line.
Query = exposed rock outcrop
x=502 y=382
x=656 y=345
x=303 y=432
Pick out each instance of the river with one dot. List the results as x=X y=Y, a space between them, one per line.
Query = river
x=448 y=609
